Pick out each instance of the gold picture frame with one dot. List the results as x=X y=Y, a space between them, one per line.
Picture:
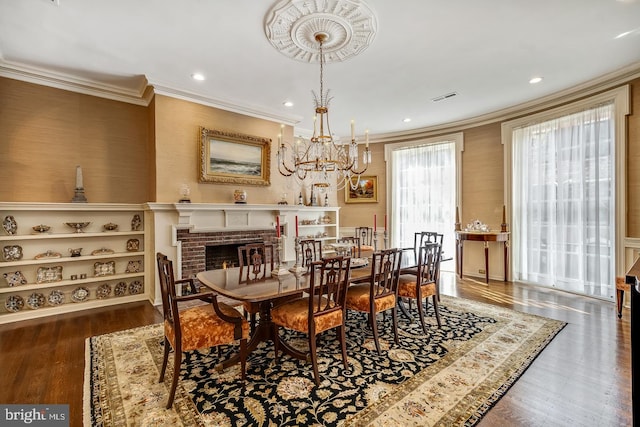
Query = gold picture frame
x=234 y=158
x=366 y=191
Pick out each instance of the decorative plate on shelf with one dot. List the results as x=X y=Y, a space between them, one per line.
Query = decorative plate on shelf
x=104 y=268
x=10 y=225
x=134 y=267
x=103 y=291
x=48 y=254
x=120 y=289
x=49 y=274
x=15 y=278
x=14 y=303
x=41 y=228
x=55 y=297
x=12 y=253
x=133 y=245
x=36 y=300
x=110 y=226
x=80 y=294
x=136 y=223
x=102 y=251
x=136 y=287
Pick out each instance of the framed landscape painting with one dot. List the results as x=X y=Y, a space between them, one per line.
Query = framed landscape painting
x=365 y=192
x=234 y=158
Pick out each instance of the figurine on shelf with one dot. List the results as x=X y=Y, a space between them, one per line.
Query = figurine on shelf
x=136 y=223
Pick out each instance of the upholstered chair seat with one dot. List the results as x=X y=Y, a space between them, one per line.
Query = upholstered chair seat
x=407 y=287
x=358 y=299
x=202 y=327
x=295 y=314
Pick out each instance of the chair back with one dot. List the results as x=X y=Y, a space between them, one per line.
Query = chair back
x=365 y=234
x=328 y=287
x=168 y=290
x=428 y=263
x=423 y=237
x=311 y=251
x=255 y=260
x=356 y=248
x=385 y=272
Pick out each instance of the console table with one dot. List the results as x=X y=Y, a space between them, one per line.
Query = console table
x=485 y=237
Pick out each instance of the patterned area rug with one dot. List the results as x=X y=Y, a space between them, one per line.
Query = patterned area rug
x=451 y=376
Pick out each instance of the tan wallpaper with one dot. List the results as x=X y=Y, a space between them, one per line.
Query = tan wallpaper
x=46 y=132
x=361 y=214
x=178 y=153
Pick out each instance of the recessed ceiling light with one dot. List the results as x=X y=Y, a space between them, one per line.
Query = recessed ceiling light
x=406 y=120
x=197 y=76
x=287 y=104
x=535 y=80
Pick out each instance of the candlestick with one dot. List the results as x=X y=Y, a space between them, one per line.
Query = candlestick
x=374 y=223
x=277 y=225
x=79 y=177
x=385 y=223
x=279 y=268
x=296 y=225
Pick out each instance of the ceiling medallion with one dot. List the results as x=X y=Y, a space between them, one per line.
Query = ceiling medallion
x=348 y=28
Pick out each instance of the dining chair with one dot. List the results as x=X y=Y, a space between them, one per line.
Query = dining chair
x=258 y=260
x=423 y=284
x=365 y=234
x=202 y=326
x=322 y=308
x=311 y=251
x=356 y=249
x=420 y=239
x=380 y=293
x=256 y=264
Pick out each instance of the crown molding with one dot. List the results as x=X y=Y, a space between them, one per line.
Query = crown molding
x=599 y=84
x=139 y=96
x=290 y=120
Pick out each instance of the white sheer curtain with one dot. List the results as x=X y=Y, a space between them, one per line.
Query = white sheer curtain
x=564 y=202
x=423 y=181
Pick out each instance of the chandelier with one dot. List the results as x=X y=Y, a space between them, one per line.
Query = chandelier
x=323 y=161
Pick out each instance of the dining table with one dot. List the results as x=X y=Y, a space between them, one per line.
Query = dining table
x=264 y=293
x=269 y=291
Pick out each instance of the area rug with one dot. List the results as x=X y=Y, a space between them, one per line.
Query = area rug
x=451 y=376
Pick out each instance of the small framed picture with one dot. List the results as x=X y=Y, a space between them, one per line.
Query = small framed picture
x=366 y=190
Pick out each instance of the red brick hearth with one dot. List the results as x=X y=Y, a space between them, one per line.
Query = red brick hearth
x=194 y=245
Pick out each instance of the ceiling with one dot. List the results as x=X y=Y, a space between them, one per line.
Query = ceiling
x=484 y=51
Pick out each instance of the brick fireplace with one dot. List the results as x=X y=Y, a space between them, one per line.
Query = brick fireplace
x=196 y=247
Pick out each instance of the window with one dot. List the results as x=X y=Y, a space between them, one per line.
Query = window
x=564 y=196
x=424 y=189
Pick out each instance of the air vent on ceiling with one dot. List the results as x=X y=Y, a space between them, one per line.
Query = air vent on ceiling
x=445 y=96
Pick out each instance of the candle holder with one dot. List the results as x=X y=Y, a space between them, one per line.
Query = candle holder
x=79 y=197
x=386 y=239
x=279 y=269
x=297 y=267
x=375 y=241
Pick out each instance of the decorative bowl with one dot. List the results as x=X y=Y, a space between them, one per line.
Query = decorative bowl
x=110 y=226
x=78 y=225
x=41 y=228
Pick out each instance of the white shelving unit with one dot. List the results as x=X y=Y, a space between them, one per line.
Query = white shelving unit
x=68 y=275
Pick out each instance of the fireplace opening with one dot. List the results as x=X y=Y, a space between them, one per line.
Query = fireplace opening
x=223 y=256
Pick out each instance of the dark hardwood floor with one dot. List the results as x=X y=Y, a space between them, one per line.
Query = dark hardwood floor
x=583 y=378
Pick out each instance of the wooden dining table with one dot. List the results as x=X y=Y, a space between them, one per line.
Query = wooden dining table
x=265 y=293
x=269 y=291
